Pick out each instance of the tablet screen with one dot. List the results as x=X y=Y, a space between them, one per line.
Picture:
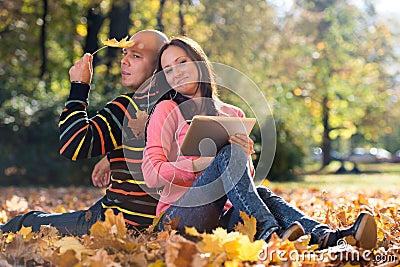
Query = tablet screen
x=208 y=134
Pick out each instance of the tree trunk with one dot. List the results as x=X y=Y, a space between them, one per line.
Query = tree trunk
x=43 y=67
x=181 y=18
x=326 y=140
x=94 y=22
x=160 y=14
x=119 y=25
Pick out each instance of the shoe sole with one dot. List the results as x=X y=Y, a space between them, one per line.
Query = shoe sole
x=293 y=234
x=366 y=234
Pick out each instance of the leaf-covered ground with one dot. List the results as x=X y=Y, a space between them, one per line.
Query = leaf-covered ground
x=110 y=244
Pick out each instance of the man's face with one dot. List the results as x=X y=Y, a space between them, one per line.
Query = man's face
x=138 y=61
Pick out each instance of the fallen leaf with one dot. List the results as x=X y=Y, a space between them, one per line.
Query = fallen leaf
x=101 y=258
x=248 y=227
x=180 y=252
x=110 y=233
x=71 y=243
x=17 y=203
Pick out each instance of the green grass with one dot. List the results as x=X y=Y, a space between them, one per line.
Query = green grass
x=382 y=176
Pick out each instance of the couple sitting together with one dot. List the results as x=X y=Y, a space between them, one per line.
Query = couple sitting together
x=203 y=192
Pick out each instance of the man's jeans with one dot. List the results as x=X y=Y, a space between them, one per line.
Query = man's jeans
x=227 y=177
x=75 y=223
x=284 y=213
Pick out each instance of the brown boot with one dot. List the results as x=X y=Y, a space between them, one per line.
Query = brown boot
x=363 y=230
x=292 y=233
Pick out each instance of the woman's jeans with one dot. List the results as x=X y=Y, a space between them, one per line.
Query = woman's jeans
x=75 y=223
x=227 y=177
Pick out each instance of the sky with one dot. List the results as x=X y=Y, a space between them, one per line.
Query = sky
x=386 y=8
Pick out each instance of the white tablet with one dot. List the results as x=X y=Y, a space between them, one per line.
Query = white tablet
x=208 y=134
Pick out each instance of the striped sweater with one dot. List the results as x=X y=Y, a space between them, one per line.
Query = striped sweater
x=116 y=130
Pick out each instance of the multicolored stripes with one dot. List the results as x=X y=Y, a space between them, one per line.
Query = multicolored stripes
x=107 y=133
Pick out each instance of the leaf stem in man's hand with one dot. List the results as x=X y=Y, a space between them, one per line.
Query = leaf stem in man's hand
x=101 y=48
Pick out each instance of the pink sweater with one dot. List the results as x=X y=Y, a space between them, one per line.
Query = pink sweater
x=161 y=165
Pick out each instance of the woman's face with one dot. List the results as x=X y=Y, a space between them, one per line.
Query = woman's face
x=180 y=71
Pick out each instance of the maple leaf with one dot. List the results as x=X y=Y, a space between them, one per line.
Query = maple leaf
x=138 y=125
x=124 y=43
x=248 y=227
x=110 y=233
x=233 y=245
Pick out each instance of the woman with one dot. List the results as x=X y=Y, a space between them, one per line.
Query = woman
x=196 y=189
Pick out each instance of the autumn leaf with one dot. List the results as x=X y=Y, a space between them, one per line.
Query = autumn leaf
x=113 y=245
x=180 y=252
x=67 y=259
x=101 y=258
x=138 y=125
x=124 y=43
x=17 y=203
x=234 y=245
x=157 y=263
x=71 y=243
x=248 y=227
x=26 y=232
x=110 y=233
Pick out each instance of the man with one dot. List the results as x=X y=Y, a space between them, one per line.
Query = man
x=116 y=131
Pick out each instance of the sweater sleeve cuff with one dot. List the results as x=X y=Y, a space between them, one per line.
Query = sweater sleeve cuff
x=79 y=91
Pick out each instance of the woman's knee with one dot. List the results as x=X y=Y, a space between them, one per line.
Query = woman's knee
x=265 y=191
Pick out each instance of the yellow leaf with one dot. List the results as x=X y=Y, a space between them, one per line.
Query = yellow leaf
x=26 y=232
x=113 y=225
x=124 y=43
x=231 y=264
x=110 y=233
x=241 y=248
x=71 y=243
x=158 y=263
x=249 y=226
x=191 y=231
x=10 y=237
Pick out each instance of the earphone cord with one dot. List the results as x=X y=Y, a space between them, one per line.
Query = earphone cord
x=159 y=191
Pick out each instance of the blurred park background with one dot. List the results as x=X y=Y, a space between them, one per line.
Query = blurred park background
x=329 y=70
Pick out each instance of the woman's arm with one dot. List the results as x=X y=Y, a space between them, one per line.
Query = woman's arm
x=161 y=166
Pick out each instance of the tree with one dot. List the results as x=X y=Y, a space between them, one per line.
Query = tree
x=334 y=69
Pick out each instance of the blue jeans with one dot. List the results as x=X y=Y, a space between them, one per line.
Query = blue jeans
x=75 y=223
x=230 y=179
x=227 y=177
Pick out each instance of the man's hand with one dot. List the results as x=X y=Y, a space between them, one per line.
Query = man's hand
x=82 y=71
x=101 y=173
